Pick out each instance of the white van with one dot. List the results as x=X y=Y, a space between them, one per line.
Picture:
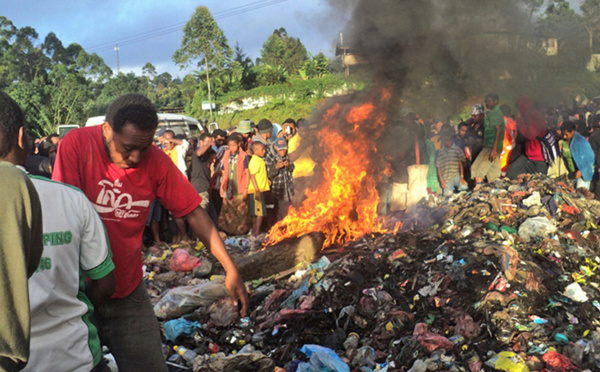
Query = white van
x=63 y=129
x=183 y=126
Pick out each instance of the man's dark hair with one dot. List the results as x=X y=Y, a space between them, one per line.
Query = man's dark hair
x=289 y=120
x=234 y=137
x=219 y=132
x=53 y=135
x=11 y=119
x=492 y=96
x=203 y=136
x=303 y=123
x=169 y=131
x=255 y=144
x=132 y=108
x=462 y=124
x=568 y=126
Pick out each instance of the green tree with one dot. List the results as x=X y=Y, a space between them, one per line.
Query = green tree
x=316 y=67
x=282 y=50
x=248 y=79
x=533 y=6
x=204 y=44
x=591 y=20
x=561 y=22
x=149 y=73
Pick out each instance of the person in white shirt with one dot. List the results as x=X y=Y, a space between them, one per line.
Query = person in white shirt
x=76 y=247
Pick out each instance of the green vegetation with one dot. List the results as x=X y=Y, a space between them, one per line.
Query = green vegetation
x=57 y=84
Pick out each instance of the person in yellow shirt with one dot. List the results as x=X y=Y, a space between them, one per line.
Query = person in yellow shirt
x=259 y=183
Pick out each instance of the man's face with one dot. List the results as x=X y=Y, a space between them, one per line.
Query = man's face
x=478 y=118
x=167 y=143
x=568 y=135
x=267 y=135
x=220 y=141
x=282 y=153
x=126 y=149
x=259 y=151
x=490 y=103
x=303 y=132
x=233 y=147
x=462 y=131
x=55 y=140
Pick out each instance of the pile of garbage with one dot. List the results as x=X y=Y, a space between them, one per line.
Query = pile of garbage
x=504 y=278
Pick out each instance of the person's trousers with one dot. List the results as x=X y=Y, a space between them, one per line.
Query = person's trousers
x=522 y=165
x=208 y=206
x=129 y=328
x=454 y=184
x=282 y=207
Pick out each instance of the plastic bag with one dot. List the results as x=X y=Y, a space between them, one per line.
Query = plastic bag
x=430 y=340
x=181 y=260
x=507 y=361
x=178 y=327
x=558 y=362
x=182 y=300
x=536 y=227
x=575 y=293
x=223 y=312
x=322 y=359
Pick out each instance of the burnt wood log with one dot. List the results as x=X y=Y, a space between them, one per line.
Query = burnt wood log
x=281 y=256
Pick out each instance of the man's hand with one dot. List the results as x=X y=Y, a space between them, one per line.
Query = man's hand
x=578 y=174
x=236 y=288
x=280 y=164
x=286 y=163
x=493 y=154
x=245 y=195
x=462 y=181
x=443 y=184
x=257 y=196
x=203 y=228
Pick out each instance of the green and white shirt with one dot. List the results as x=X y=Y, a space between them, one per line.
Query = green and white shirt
x=75 y=246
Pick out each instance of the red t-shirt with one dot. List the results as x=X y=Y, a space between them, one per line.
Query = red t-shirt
x=122 y=197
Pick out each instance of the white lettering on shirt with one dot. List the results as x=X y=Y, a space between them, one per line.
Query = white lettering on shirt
x=112 y=200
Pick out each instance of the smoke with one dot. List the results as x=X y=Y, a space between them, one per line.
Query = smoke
x=438 y=53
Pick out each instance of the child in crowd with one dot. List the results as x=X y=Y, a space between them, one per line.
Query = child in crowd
x=282 y=185
x=233 y=218
x=449 y=162
x=258 y=184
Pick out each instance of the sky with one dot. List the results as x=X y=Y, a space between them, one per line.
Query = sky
x=150 y=31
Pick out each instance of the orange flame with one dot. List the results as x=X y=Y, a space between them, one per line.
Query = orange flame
x=344 y=204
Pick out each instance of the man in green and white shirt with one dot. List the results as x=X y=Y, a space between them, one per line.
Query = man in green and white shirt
x=75 y=247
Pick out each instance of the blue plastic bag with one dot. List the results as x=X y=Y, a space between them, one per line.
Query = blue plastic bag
x=322 y=359
x=177 y=327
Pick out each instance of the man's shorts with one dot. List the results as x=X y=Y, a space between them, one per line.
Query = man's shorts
x=257 y=208
x=205 y=200
x=483 y=167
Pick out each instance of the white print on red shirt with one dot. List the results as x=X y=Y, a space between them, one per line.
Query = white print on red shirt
x=112 y=200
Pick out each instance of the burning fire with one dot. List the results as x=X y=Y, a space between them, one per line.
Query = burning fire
x=343 y=205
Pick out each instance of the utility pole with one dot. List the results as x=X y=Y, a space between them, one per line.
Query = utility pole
x=117 y=50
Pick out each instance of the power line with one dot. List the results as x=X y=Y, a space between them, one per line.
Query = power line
x=177 y=27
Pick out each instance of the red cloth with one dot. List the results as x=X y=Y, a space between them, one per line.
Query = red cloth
x=122 y=197
x=532 y=125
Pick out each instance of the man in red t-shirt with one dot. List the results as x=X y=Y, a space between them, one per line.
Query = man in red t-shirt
x=121 y=172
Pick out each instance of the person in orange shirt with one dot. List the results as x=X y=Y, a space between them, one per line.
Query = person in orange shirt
x=510 y=135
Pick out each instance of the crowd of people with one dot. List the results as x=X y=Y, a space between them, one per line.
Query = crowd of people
x=71 y=247
x=82 y=205
x=245 y=176
x=493 y=143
